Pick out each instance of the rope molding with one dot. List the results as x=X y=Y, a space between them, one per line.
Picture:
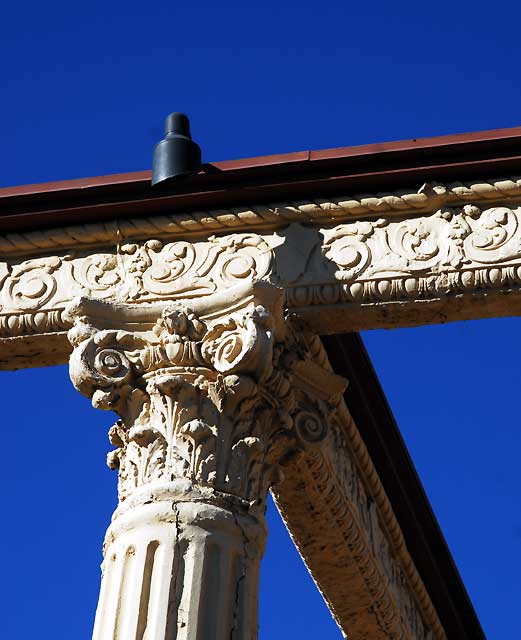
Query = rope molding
x=429 y=197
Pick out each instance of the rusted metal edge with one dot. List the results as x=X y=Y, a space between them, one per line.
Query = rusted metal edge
x=374 y=167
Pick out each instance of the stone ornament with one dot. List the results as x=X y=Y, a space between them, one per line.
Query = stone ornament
x=210 y=401
x=149 y=271
x=452 y=251
x=445 y=241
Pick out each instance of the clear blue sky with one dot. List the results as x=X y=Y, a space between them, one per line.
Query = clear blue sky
x=85 y=88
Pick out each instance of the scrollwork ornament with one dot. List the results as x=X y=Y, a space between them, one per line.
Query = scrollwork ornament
x=112 y=365
x=169 y=268
x=311 y=420
x=101 y=368
x=236 y=258
x=346 y=245
x=416 y=241
x=32 y=284
x=493 y=236
x=98 y=275
x=310 y=427
x=421 y=257
x=241 y=343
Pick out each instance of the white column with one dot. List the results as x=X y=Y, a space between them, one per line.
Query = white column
x=212 y=400
x=180 y=570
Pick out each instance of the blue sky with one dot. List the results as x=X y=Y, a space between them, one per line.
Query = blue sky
x=85 y=89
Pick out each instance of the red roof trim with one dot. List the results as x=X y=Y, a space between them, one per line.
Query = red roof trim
x=273 y=160
x=386 y=166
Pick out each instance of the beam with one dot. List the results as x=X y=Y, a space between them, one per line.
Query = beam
x=442 y=253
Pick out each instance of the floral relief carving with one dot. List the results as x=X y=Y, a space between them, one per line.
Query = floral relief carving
x=461 y=249
x=448 y=238
x=346 y=245
x=152 y=268
x=212 y=402
x=136 y=272
x=454 y=250
x=182 y=269
x=494 y=238
x=97 y=275
x=414 y=243
x=33 y=283
x=365 y=249
x=236 y=258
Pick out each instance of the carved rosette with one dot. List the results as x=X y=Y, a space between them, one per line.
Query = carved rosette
x=211 y=403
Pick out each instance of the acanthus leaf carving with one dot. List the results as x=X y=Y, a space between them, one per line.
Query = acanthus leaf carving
x=494 y=236
x=182 y=269
x=213 y=402
x=137 y=272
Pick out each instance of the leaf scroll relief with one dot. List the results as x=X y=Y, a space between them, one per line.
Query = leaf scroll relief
x=136 y=272
x=181 y=269
x=454 y=249
x=447 y=239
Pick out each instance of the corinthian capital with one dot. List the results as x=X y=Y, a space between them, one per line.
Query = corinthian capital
x=211 y=397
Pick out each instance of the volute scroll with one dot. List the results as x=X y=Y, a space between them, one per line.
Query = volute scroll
x=216 y=396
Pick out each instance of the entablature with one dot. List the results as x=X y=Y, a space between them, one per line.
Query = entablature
x=443 y=253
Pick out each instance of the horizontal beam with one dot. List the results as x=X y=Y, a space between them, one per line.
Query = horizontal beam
x=443 y=253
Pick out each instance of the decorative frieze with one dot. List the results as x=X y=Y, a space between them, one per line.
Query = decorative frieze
x=450 y=240
x=148 y=271
x=450 y=253
x=453 y=253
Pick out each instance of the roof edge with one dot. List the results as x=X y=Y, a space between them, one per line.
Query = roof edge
x=335 y=153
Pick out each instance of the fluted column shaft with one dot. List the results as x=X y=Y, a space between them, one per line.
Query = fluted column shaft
x=180 y=571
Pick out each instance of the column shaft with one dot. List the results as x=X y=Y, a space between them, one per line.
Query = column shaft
x=180 y=571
